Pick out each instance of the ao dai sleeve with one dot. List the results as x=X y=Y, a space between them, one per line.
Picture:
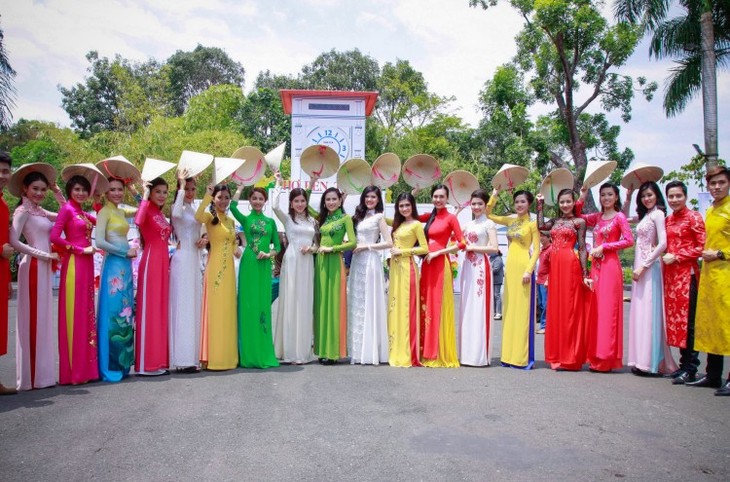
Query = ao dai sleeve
x=238 y=215
x=503 y=220
x=626 y=240
x=696 y=235
x=102 y=221
x=456 y=230
x=179 y=204
x=139 y=218
x=535 y=247
x=274 y=235
x=277 y=203
x=20 y=217
x=201 y=214
x=351 y=238
x=590 y=219
x=61 y=201
x=65 y=216
x=422 y=248
x=657 y=217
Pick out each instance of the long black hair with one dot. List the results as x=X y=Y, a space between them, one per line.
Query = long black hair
x=398 y=218
x=614 y=188
x=293 y=194
x=641 y=210
x=30 y=179
x=361 y=210
x=323 y=212
x=433 y=213
x=218 y=188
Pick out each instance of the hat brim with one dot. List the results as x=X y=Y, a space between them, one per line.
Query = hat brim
x=596 y=175
x=353 y=176
x=250 y=171
x=224 y=167
x=461 y=185
x=509 y=176
x=386 y=170
x=15 y=185
x=555 y=182
x=421 y=171
x=120 y=169
x=99 y=183
x=634 y=178
x=273 y=158
x=319 y=161
x=154 y=168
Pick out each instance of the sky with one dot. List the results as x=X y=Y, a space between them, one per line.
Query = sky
x=457 y=49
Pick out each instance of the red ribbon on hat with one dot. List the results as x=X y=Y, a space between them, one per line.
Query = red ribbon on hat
x=259 y=164
x=125 y=180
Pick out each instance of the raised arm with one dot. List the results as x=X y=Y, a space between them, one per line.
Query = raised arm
x=238 y=215
x=202 y=215
x=626 y=240
x=503 y=220
x=20 y=216
x=580 y=226
x=542 y=225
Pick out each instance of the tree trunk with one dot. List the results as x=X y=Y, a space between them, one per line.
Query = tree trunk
x=709 y=88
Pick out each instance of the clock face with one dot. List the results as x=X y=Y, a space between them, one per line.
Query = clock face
x=333 y=137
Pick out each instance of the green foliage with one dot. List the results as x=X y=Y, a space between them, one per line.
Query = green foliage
x=7 y=88
x=214 y=108
x=261 y=118
x=333 y=70
x=692 y=173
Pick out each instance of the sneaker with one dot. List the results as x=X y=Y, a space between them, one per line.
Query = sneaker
x=498 y=316
x=540 y=331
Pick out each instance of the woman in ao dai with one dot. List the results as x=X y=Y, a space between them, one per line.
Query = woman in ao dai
x=186 y=279
x=475 y=311
x=293 y=326
x=35 y=361
x=648 y=348
x=367 y=318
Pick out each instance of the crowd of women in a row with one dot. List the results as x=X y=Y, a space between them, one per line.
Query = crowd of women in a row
x=181 y=319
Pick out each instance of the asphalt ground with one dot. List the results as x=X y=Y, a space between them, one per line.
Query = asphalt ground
x=366 y=423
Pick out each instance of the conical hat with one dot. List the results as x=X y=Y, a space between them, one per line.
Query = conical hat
x=421 y=171
x=639 y=173
x=99 y=184
x=597 y=172
x=273 y=158
x=319 y=161
x=194 y=162
x=354 y=175
x=509 y=176
x=386 y=170
x=154 y=168
x=556 y=181
x=253 y=167
x=119 y=168
x=224 y=167
x=15 y=186
x=461 y=184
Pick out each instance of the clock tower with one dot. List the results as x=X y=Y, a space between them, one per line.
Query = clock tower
x=327 y=117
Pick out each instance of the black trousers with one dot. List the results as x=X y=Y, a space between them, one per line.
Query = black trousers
x=689 y=360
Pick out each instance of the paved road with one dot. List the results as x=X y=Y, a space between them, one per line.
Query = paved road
x=375 y=423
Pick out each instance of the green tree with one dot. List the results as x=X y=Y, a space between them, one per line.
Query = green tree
x=262 y=119
x=7 y=88
x=214 y=109
x=567 y=46
x=699 y=40
x=333 y=70
x=191 y=73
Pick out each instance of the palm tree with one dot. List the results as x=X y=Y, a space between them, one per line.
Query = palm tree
x=699 y=40
x=7 y=89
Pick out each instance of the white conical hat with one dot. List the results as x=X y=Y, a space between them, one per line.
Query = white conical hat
x=154 y=168
x=639 y=173
x=597 y=172
x=99 y=184
x=119 y=168
x=558 y=179
x=273 y=158
x=386 y=170
x=194 y=162
x=509 y=176
x=421 y=171
x=354 y=175
x=15 y=185
x=224 y=167
x=461 y=184
x=319 y=161
x=253 y=167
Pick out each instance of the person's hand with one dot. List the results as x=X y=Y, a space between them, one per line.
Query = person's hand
x=201 y=243
x=597 y=252
x=132 y=188
x=277 y=176
x=146 y=189
x=546 y=283
x=306 y=249
x=209 y=189
x=432 y=255
x=589 y=283
x=395 y=252
x=526 y=278
x=54 y=257
x=709 y=255
x=183 y=174
x=629 y=192
x=540 y=198
x=583 y=193
x=469 y=247
x=238 y=252
x=325 y=249
x=415 y=191
x=97 y=197
x=495 y=192
x=89 y=250
x=54 y=187
x=360 y=248
x=637 y=273
x=132 y=253
x=669 y=258
x=8 y=251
